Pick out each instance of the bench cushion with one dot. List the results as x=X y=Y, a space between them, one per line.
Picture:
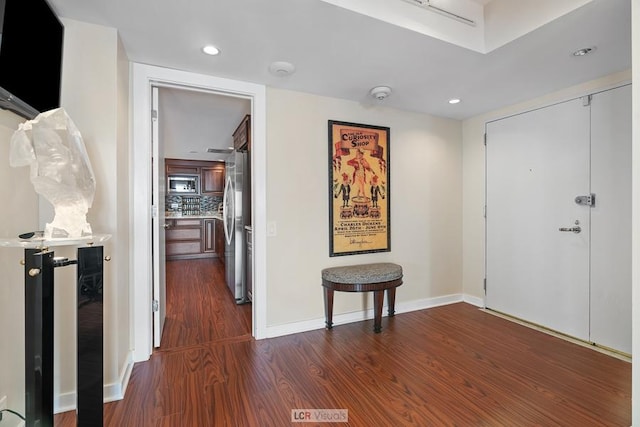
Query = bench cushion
x=363 y=273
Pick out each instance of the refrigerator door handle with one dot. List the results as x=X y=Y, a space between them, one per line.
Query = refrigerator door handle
x=227 y=203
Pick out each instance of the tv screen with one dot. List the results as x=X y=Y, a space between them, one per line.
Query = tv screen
x=31 y=39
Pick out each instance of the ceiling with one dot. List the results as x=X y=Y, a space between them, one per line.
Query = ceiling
x=192 y=122
x=343 y=54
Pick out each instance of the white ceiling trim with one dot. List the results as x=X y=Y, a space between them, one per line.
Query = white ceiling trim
x=497 y=22
x=424 y=21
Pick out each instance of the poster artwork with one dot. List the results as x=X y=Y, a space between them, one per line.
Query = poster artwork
x=359 y=188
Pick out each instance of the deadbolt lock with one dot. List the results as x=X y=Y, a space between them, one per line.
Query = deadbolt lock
x=589 y=200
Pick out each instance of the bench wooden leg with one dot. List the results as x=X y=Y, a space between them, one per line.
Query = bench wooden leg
x=328 y=307
x=378 y=299
x=391 y=301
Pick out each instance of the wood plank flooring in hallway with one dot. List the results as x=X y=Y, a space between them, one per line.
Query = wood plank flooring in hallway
x=447 y=366
x=200 y=307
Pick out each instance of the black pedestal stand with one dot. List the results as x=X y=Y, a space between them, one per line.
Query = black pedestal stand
x=39 y=288
x=90 y=337
x=38 y=334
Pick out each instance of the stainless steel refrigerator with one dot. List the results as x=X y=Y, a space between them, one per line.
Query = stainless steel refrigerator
x=236 y=213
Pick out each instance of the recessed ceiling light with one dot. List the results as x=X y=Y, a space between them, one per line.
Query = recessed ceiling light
x=211 y=50
x=454 y=101
x=281 y=68
x=584 y=51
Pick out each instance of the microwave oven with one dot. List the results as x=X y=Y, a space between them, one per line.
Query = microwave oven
x=183 y=184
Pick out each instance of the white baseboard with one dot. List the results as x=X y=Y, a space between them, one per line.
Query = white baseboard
x=358 y=316
x=64 y=402
x=115 y=391
x=470 y=299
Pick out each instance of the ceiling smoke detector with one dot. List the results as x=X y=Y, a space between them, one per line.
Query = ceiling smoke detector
x=281 y=68
x=380 y=92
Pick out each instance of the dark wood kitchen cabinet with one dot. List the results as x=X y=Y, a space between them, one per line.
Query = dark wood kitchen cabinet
x=183 y=238
x=242 y=135
x=178 y=167
x=188 y=238
x=219 y=239
x=212 y=179
x=209 y=238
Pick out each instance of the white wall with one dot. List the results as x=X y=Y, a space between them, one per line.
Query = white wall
x=426 y=204
x=95 y=94
x=19 y=214
x=473 y=183
x=635 y=225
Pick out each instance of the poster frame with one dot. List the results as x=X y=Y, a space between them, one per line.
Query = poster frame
x=338 y=166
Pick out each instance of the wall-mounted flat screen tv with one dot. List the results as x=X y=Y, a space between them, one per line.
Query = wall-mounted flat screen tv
x=31 y=40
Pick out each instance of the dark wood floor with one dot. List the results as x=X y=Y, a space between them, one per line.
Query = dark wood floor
x=200 y=308
x=448 y=366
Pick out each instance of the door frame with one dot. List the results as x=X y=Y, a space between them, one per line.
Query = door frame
x=142 y=78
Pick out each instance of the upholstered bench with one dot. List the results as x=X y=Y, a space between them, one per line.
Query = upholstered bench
x=374 y=278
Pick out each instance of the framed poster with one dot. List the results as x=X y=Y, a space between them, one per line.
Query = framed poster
x=359 y=215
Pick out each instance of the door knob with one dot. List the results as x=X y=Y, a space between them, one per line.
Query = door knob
x=575 y=229
x=166 y=226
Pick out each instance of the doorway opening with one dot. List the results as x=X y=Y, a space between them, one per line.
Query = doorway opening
x=145 y=215
x=200 y=262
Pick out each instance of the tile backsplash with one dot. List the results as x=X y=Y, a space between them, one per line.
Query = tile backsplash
x=208 y=204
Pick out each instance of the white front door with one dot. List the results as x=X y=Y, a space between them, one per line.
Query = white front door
x=537 y=235
x=158 y=224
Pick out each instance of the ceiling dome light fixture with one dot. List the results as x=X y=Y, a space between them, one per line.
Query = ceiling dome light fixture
x=380 y=92
x=584 y=51
x=211 y=50
x=281 y=68
x=454 y=101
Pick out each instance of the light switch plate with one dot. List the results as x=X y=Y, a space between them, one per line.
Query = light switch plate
x=272 y=230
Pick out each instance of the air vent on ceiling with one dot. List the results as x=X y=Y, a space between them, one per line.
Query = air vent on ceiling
x=219 y=150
